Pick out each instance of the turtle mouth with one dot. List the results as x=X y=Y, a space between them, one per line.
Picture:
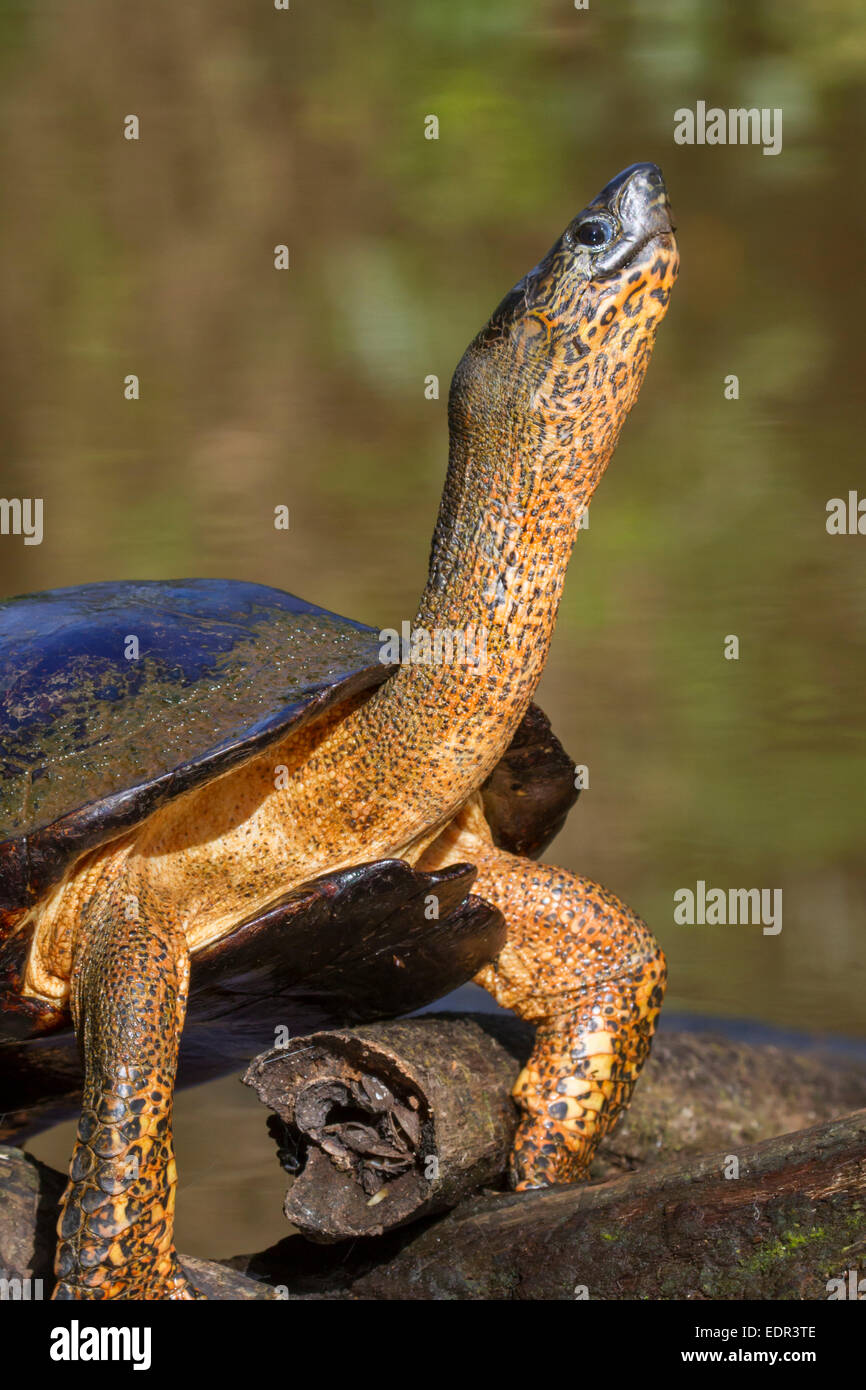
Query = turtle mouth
x=638 y=200
x=634 y=249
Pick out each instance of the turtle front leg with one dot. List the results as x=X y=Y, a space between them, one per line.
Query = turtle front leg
x=129 y=989
x=587 y=971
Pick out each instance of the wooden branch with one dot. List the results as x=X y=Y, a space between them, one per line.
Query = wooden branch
x=685 y=1227
x=780 y=1230
x=392 y=1122
x=793 y=1220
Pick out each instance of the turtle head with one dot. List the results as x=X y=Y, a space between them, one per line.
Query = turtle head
x=558 y=367
x=611 y=235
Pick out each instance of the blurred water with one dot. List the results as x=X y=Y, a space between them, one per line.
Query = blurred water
x=306 y=388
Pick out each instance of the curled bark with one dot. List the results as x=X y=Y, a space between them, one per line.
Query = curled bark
x=789 y=1223
x=391 y=1122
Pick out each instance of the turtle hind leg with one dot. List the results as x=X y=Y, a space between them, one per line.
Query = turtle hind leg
x=129 y=989
x=587 y=971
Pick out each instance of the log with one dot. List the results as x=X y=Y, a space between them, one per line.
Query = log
x=792 y=1221
x=389 y=1123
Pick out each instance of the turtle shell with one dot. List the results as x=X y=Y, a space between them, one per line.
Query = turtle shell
x=114 y=698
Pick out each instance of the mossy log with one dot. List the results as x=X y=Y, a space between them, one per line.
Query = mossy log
x=794 y=1219
x=392 y=1122
x=671 y=1223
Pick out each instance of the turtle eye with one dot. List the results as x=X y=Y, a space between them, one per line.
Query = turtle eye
x=595 y=231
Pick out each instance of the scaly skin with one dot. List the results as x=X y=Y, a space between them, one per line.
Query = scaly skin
x=536 y=407
x=587 y=971
x=129 y=990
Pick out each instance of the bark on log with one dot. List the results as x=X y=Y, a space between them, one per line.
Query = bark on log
x=794 y=1219
x=391 y=1122
x=396 y=1121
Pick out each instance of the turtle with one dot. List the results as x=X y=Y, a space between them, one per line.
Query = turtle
x=219 y=800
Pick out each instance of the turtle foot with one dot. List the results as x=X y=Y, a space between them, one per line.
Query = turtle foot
x=543 y=1155
x=165 y=1280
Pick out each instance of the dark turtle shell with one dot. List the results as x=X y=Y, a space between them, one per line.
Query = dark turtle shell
x=95 y=738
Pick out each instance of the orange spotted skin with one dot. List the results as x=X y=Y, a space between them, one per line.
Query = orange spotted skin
x=536 y=408
x=586 y=970
x=129 y=991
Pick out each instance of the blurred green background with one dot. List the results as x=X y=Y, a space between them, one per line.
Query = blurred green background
x=306 y=388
